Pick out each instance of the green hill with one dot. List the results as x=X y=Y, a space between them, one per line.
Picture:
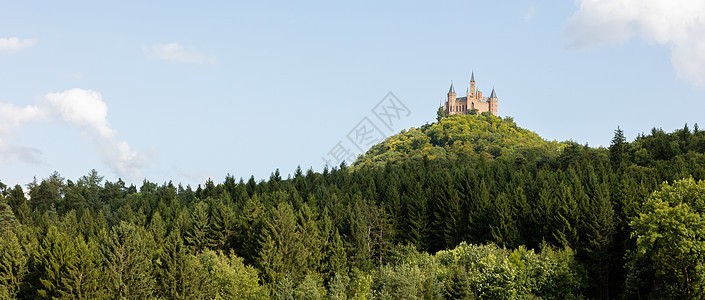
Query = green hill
x=461 y=137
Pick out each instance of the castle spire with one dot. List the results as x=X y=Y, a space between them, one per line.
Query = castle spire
x=472 y=77
x=452 y=90
x=493 y=95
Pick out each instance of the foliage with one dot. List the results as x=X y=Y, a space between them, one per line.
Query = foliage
x=670 y=235
x=468 y=207
x=460 y=137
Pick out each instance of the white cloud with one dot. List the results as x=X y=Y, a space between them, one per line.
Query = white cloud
x=530 y=13
x=84 y=109
x=176 y=52
x=678 y=24
x=13 y=44
x=12 y=117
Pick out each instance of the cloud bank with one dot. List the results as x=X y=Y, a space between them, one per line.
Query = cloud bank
x=677 y=24
x=175 y=52
x=13 y=44
x=85 y=110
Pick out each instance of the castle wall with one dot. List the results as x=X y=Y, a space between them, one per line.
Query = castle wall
x=472 y=99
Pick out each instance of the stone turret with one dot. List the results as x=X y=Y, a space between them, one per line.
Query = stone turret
x=472 y=85
x=493 y=102
x=451 y=99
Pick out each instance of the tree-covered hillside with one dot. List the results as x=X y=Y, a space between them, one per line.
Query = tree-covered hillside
x=460 y=137
x=468 y=207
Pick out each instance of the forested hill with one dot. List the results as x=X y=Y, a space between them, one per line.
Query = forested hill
x=464 y=137
x=475 y=208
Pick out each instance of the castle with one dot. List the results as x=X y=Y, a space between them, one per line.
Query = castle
x=472 y=100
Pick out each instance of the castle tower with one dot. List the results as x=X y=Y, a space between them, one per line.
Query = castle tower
x=472 y=100
x=452 y=106
x=493 y=103
x=472 y=85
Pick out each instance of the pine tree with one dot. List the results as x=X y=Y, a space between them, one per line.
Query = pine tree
x=17 y=200
x=13 y=264
x=281 y=243
x=336 y=258
x=126 y=257
x=248 y=228
x=310 y=288
x=8 y=221
x=618 y=147
x=157 y=228
x=82 y=274
x=197 y=237
x=504 y=227
x=222 y=224
x=284 y=289
x=361 y=215
x=599 y=231
x=416 y=219
x=478 y=218
x=311 y=238
x=49 y=265
x=178 y=275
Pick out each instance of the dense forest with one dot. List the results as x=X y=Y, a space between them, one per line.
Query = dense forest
x=467 y=207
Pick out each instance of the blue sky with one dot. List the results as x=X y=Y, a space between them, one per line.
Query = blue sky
x=180 y=91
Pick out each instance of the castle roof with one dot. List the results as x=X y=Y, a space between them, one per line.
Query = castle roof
x=452 y=90
x=493 y=94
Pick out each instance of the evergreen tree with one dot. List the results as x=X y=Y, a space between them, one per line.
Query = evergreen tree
x=248 y=228
x=157 y=228
x=222 y=223
x=197 y=237
x=8 y=222
x=82 y=278
x=416 y=226
x=16 y=199
x=126 y=259
x=504 y=228
x=337 y=286
x=310 y=288
x=50 y=266
x=312 y=238
x=478 y=217
x=177 y=272
x=13 y=264
x=336 y=258
x=599 y=231
x=284 y=289
x=618 y=148
x=282 y=249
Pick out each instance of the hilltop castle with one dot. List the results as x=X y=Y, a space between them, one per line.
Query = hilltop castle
x=472 y=100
